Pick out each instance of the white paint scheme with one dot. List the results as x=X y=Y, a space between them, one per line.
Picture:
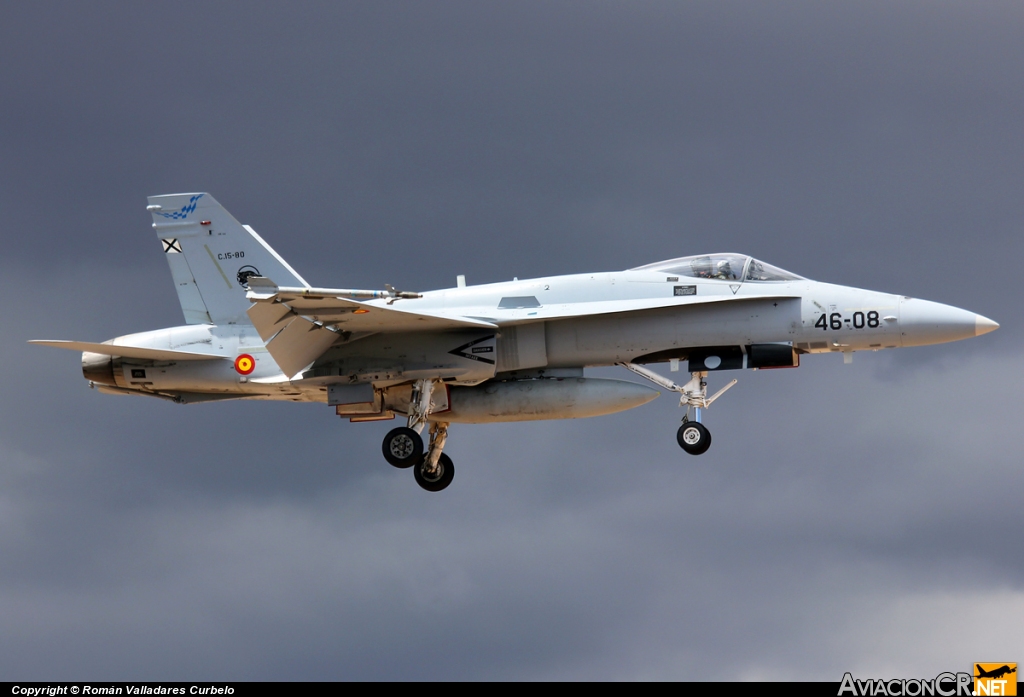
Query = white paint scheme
x=503 y=351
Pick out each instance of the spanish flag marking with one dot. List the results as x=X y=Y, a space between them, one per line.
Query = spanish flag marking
x=245 y=364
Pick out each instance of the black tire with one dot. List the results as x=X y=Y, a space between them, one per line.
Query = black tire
x=402 y=447
x=693 y=438
x=445 y=477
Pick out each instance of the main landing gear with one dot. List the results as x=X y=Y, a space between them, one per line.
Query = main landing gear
x=403 y=446
x=692 y=436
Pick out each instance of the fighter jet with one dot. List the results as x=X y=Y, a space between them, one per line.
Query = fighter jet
x=512 y=351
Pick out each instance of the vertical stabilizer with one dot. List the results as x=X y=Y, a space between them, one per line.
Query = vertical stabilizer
x=211 y=256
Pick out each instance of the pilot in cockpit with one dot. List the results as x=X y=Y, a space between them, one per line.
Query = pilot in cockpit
x=723 y=270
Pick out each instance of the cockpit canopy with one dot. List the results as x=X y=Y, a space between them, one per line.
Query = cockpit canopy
x=724 y=267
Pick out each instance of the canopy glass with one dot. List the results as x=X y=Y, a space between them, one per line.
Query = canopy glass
x=723 y=267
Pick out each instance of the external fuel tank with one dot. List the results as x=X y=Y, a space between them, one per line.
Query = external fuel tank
x=547 y=398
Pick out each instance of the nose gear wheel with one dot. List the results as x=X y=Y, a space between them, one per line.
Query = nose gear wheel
x=693 y=437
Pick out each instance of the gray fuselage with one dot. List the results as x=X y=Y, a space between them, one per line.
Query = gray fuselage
x=560 y=323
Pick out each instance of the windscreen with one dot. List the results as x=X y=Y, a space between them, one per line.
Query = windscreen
x=759 y=271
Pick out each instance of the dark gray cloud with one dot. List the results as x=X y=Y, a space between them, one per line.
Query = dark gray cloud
x=856 y=517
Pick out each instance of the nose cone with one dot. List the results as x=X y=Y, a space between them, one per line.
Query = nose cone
x=923 y=322
x=983 y=325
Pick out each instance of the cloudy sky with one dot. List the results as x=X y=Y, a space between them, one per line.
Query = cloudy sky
x=860 y=517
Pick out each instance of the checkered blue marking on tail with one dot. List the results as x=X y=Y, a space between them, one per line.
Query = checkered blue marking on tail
x=185 y=210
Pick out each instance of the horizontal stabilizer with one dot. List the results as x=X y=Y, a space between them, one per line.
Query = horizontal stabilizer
x=176 y=397
x=140 y=352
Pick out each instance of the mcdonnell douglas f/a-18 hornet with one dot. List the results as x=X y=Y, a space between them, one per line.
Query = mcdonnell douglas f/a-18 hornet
x=513 y=351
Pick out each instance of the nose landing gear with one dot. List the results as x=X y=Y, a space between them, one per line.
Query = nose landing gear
x=692 y=436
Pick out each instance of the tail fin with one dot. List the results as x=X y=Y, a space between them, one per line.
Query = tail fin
x=211 y=256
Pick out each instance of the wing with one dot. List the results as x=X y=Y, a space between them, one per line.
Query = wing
x=299 y=324
x=149 y=354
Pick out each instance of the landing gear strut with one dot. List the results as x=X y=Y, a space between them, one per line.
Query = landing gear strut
x=435 y=471
x=403 y=446
x=692 y=436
